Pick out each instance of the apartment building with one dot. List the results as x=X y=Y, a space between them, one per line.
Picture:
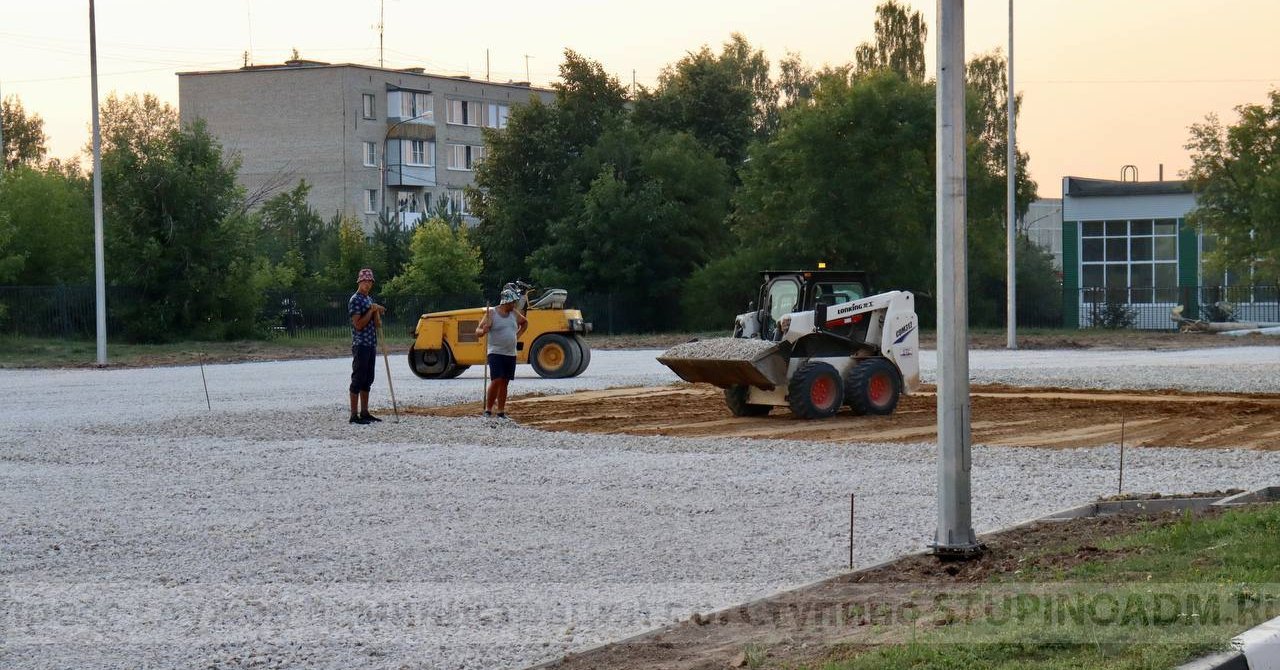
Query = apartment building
x=368 y=140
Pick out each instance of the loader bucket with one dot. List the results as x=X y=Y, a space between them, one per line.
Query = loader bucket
x=764 y=368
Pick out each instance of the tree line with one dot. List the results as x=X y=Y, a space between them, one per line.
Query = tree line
x=671 y=199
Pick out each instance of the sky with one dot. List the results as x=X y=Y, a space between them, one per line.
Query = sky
x=1105 y=83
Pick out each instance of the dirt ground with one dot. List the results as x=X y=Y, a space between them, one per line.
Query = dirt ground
x=834 y=618
x=1001 y=416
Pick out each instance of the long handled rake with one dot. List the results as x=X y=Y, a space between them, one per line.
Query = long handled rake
x=387 y=360
x=484 y=387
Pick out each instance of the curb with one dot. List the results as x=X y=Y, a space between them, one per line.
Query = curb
x=1268 y=641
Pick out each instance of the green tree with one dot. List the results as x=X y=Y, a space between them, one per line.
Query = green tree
x=24 y=138
x=650 y=216
x=51 y=213
x=1235 y=171
x=178 y=241
x=390 y=247
x=353 y=254
x=442 y=262
x=796 y=81
x=11 y=261
x=527 y=177
x=899 y=43
x=708 y=97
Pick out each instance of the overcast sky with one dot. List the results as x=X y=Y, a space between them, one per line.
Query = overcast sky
x=1106 y=82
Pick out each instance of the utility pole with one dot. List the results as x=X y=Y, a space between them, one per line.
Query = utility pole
x=527 y=78
x=1011 y=167
x=955 y=537
x=3 y=154
x=486 y=65
x=99 y=266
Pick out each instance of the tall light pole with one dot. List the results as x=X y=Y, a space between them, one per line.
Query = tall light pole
x=1011 y=234
x=955 y=537
x=99 y=265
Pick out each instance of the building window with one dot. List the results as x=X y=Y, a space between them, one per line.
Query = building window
x=465 y=156
x=497 y=117
x=410 y=105
x=458 y=201
x=367 y=101
x=465 y=112
x=419 y=152
x=371 y=201
x=1140 y=257
x=370 y=154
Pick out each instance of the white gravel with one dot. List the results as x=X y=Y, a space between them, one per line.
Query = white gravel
x=138 y=529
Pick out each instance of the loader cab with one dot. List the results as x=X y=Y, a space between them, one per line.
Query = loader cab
x=783 y=292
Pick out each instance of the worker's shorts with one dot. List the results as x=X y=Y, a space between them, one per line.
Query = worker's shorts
x=363 y=362
x=502 y=367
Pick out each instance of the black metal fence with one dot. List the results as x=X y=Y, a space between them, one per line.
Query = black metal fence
x=1147 y=308
x=67 y=312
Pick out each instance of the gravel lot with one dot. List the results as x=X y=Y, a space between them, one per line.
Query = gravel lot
x=140 y=529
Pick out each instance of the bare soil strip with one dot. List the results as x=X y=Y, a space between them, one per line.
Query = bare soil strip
x=1001 y=416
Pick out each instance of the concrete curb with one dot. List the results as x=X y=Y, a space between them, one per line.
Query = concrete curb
x=1232 y=660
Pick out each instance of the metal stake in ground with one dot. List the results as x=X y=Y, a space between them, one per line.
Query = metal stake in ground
x=205 y=382
x=394 y=408
x=1120 y=486
x=484 y=380
x=850 y=531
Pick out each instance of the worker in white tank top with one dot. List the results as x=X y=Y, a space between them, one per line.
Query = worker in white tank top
x=504 y=325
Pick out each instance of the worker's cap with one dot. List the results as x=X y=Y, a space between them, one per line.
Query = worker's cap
x=365 y=275
x=508 y=295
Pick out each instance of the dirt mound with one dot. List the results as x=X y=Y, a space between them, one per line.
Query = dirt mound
x=1001 y=416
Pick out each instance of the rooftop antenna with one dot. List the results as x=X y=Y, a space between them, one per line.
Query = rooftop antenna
x=526 y=68
x=382 y=17
x=1127 y=170
x=486 y=65
x=248 y=9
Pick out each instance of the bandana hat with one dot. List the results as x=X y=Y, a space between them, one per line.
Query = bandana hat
x=365 y=275
x=508 y=295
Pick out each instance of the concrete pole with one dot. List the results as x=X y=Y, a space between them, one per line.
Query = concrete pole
x=99 y=265
x=3 y=155
x=955 y=535
x=1012 y=233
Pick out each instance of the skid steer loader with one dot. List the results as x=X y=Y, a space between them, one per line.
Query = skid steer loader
x=816 y=343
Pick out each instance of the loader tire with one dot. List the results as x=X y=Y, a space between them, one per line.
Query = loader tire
x=815 y=391
x=430 y=363
x=584 y=354
x=736 y=398
x=873 y=387
x=554 y=356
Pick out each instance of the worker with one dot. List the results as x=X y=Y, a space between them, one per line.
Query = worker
x=504 y=325
x=366 y=316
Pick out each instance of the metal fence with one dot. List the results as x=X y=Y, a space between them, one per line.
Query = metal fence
x=67 y=312
x=1147 y=308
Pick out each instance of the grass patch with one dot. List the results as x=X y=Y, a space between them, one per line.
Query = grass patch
x=1154 y=598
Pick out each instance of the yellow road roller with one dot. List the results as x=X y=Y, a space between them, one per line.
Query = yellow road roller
x=445 y=343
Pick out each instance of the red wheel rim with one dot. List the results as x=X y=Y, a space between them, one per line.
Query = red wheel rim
x=822 y=392
x=880 y=390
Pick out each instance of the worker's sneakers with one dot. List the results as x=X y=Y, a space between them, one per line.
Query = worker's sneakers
x=503 y=416
x=355 y=418
x=487 y=414
x=369 y=418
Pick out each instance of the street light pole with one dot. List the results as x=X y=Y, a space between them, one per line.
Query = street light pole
x=99 y=265
x=954 y=537
x=1011 y=234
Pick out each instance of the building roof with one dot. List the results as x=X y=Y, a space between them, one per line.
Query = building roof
x=313 y=64
x=1080 y=187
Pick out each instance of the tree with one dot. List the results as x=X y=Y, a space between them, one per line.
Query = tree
x=899 y=43
x=24 y=138
x=650 y=216
x=353 y=255
x=751 y=68
x=138 y=124
x=709 y=98
x=527 y=178
x=178 y=241
x=1235 y=171
x=51 y=215
x=796 y=81
x=11 y=261
x=442 y=262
